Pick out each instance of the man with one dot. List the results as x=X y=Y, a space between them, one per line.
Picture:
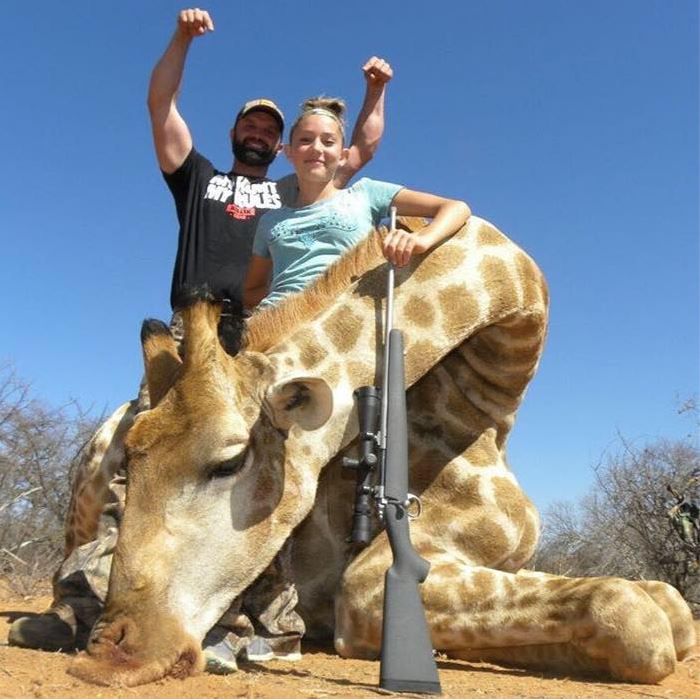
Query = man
x=218 y=213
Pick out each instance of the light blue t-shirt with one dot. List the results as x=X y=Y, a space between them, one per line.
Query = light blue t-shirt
x=303 y=242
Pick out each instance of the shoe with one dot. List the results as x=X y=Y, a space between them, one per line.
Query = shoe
x=219 y=654
x=42 y=632
x=285 y=649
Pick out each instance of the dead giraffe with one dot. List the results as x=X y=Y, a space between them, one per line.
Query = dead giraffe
x=241 y=453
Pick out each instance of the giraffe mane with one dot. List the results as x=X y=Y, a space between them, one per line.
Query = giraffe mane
x=272 y=325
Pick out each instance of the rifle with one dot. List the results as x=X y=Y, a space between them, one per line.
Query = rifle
x=407 y=662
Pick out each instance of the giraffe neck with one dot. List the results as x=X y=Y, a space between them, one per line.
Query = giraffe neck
x=476 y=292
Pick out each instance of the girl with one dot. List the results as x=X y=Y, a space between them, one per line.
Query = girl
x=294 y=245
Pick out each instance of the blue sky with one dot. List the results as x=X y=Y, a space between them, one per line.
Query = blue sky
x=571 y=126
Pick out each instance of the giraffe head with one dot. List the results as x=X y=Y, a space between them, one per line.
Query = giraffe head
x=219 y=475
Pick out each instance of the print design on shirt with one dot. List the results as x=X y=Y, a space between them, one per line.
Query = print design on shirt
x=342 y=219
x=247 y=195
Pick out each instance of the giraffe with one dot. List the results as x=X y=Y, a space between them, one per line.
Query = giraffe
x=239 y=455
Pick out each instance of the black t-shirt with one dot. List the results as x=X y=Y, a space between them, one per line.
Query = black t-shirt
x=218 y=214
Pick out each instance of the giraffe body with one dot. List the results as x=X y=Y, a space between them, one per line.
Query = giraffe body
x=246 y=450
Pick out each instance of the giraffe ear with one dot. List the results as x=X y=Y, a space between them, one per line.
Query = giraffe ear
x=160 y=358
x=303 y=401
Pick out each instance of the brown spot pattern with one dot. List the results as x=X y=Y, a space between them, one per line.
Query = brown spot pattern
x=530 y=280
x=454 y=302
x=482 y=583
x=483 y=539
x=489 y=237
x=311 y=353
x=483 y=451
x=343 y=328
x=332 y=374
x=465 y=490
x=510 y=500
x=440 y=262
x=499 y=283
x=419 y=312
x=421 y=356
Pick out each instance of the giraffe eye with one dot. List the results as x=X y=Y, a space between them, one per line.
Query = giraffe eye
x=229 y=467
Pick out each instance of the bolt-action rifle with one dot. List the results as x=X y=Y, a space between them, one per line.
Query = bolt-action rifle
x=407 y=662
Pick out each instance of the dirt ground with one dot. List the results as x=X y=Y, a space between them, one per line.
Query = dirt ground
x=26 y=673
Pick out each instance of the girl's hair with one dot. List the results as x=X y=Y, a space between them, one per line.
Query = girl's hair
x=332 y=107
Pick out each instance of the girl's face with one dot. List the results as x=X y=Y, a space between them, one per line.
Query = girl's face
x=316 y=149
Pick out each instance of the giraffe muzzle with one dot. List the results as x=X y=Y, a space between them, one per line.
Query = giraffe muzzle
x=126 y=654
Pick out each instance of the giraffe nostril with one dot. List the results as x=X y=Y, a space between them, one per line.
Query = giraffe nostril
x=110 y=634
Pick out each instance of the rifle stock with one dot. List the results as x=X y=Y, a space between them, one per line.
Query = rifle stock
x=407 y=662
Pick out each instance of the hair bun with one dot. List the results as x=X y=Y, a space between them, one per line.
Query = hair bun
x=331 y=104
x=333 y=107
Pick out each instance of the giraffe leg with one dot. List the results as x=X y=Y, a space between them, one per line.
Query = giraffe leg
x=103 y=459
x=677 y=611
x=80 y=583
x=590 y=625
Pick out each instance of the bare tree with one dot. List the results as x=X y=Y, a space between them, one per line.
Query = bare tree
x=39 y=449
x=628 y=524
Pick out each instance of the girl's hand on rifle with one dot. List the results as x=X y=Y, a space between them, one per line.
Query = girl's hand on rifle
x=448 y=216
x=398 y=247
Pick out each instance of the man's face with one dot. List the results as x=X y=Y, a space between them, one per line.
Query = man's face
x=256 y=139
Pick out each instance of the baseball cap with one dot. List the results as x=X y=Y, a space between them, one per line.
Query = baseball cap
x=263 y=105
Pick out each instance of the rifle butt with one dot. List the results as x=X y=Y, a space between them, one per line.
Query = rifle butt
x=407 y=662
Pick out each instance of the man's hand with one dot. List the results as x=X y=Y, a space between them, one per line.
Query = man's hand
x=194 y=22
x=377 y=72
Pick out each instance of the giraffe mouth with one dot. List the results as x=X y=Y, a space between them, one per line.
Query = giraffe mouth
x=121 y=654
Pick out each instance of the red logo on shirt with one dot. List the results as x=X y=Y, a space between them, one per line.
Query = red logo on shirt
x=240 y=212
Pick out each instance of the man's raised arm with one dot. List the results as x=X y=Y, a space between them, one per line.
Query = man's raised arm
x=370 y=122
x=171 y=136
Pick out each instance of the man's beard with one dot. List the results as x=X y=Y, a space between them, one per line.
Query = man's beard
x=257 y=156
